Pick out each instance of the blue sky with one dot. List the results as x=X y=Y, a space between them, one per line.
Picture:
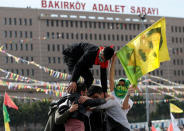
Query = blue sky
x=170 y=8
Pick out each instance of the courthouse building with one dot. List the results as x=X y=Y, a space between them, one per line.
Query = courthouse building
x=41 y=35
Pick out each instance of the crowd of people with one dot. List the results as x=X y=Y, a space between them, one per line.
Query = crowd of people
x=89 y=107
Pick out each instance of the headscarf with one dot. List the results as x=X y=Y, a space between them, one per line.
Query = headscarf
x=120 y=91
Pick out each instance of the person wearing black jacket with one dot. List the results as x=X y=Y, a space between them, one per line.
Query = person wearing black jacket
x=80 y=57
x=60 y=110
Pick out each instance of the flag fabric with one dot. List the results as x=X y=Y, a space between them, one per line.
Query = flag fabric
x=8 y=102
x=153 y=128
x=175 y=109
x=144 y=53
x=173 y=126
x=170 y=128
x=6 y=118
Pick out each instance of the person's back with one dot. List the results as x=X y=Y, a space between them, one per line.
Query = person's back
x=117 y=120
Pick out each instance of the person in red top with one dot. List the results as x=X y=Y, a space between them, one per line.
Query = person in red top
x=80 y=57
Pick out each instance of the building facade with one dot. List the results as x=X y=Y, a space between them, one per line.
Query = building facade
x=41 y=36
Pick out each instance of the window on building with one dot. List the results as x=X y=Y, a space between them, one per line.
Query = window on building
x=53 y=35
x=94 y=25
x=21 y=46
x=16 y=46
x=11 y=59
x=103 y=25
x=32 y=72
x=27 y=58
x=22 y=71
x=47 y=22
x=175 y=72
x=20 y=21
x=54 y=59
x=67 y=35
x=126 y=37
x=91 y=36
x=72 y=36
x=130 y=26
x=30 y=21
x=20 y=34
x=26 y=47
x=62 y=23
x=113 y=37
x=25 y=33
x=25 y=21
x=77 y=36
x=85 y=24
x=86 y=36
x=76 y=24
x=172 y=39
x=31 y=47
x=66 y=23
x=112 y=25
x=58 y=47
x=6 y=59
x=176 y=29
x=52 y=23
x=49 y=60
x=99 y=25
x=100 y=37
x=81 y=36
x=5 y=21
x=71 y=23
x=11 y=47
x=17 y=71
x=109 y=37
x=5 y=34
x=174 y=62
x=122 y=38
x=59 y=60
x=10 y=34
x=53 y=47
x=90 y=24
x=95 y=36
x=104 y=36
x=15 y=34
x=31 y=34
x=15 y=21
x=81 y=24
x=32 y=59
x=48 y=35
x=172 y=29
x=10 y=21
x=117 y=37
x=27 y=72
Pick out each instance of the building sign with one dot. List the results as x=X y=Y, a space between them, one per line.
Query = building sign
x=98 y=7
x=170 y=8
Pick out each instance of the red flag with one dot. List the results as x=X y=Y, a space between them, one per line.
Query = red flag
x=170 y=128
x=153 y=128
x=9 y=102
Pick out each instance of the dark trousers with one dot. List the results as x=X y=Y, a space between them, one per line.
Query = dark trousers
x=112 y=125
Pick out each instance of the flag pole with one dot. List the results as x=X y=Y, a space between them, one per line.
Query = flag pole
x=142 y=18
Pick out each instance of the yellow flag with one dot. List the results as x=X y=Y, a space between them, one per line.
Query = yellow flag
x=144 y=53
x=175 y=109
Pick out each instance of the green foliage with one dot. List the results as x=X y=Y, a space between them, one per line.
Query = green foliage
x=35 y=112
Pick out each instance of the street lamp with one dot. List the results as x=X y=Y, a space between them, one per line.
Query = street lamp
x=142 y=18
